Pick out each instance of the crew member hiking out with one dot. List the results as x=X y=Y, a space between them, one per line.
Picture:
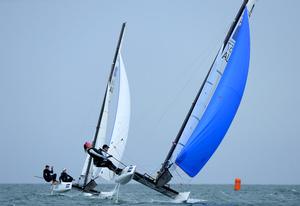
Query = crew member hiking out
x=48 y=174
x=100 y=157
x=64 y=177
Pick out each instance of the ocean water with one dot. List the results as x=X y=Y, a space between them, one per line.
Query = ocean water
x=135 y=194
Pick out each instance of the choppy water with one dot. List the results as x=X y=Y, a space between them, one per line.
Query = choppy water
x=133 y=194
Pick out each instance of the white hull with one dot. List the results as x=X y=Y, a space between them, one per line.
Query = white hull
x=182 y=197
x=126 y=175
x=62 y=187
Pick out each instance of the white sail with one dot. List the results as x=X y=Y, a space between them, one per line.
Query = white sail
x=118 y=79
x=121 y=125
x=101 y=137
x=103 y=126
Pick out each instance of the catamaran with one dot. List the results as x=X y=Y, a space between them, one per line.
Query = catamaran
x=117 y=84
x=212 y=111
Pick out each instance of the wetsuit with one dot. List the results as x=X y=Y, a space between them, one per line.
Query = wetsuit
x=48 y=175
x=100 y=159
x=64 y=177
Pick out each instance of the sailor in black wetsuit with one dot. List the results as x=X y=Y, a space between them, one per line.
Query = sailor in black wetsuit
x=64 y=177
x=48 y=174
x=100 y=157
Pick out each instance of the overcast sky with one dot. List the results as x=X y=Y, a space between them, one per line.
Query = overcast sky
x=55 y=58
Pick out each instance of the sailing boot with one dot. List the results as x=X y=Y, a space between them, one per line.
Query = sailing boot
x=118 y=171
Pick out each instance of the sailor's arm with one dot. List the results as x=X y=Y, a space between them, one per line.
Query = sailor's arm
x=105 y=154
x=95 y=153
x=70 y=177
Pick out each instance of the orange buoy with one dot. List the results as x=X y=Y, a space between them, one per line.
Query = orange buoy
x=237 y=184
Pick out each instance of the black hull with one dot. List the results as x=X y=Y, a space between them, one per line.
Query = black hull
x=150 y=182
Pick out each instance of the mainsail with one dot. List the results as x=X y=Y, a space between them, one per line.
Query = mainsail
x=120 y=130
x=121 y=126
x=89 y=171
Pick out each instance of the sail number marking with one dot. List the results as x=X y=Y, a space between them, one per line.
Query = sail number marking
x=228 y=51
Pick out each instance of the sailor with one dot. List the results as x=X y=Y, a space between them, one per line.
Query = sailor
x=100 y=157
x=64 y=177
x=48 y=174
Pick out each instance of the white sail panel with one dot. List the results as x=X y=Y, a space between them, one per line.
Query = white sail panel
x=101 y=137
x=203 y=100
x=84 y=168
x=121 y=126
x=250 y=7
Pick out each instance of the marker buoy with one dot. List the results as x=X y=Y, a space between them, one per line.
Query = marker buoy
x=237 y=184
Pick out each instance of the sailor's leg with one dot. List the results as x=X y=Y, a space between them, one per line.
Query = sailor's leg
x=112 y=167
x=53 y=177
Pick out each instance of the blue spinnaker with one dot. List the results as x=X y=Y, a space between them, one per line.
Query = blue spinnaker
x=222 y=107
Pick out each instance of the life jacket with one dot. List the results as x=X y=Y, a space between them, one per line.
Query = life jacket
x=47 y=175
x=64 y=177
x=97 y=159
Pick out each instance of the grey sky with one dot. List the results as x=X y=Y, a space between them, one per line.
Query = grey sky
x=54 y=62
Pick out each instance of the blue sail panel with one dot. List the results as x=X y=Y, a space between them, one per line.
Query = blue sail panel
x=222 y=108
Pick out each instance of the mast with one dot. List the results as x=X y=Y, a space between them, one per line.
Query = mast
x=236 y=20
x=117 y=51
x=164 y=174
x=103 y=103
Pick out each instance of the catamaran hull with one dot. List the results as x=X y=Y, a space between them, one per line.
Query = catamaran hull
x=182 y=197
x=165 y=190
x=61 y=187
x=88 y=189
x=126 y=175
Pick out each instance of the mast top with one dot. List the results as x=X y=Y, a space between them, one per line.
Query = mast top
x=117 y=51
